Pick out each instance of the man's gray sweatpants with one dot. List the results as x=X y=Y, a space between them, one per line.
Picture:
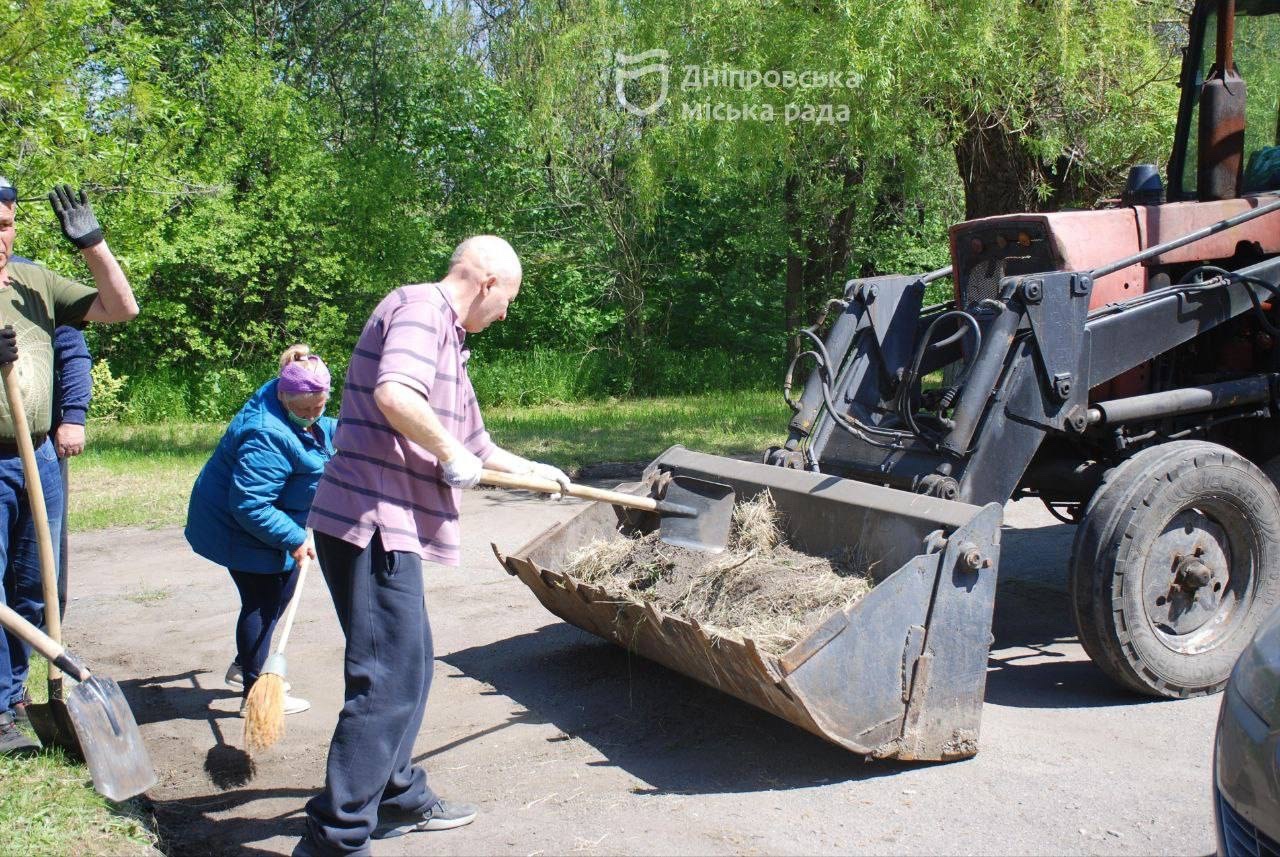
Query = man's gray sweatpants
x=389 y=661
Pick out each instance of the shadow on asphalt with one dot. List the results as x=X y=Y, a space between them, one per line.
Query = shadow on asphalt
x=164 y=698
x=1033 y=611
x=188 y=825
x=659 y=726
x=685 y=738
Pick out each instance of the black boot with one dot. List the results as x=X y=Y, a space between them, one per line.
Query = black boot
x=20 y=708
x=13 y=741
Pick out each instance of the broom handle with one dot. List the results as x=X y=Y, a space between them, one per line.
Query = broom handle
x=292 y=610
x=550 y=486
x=35 y=497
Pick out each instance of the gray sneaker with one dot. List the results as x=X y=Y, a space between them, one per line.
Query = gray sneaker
x=445 y=815
x=13 y=741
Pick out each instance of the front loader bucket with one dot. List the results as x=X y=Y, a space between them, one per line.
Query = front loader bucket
x=900 y=673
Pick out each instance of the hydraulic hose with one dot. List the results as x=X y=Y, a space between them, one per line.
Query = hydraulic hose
x=982 y=379
x=1231 y=276
x=905 y=398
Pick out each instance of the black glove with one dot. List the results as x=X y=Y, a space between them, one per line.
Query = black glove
x=8 y=345
x=75 y=216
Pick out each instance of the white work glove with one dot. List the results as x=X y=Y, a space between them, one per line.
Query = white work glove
x=463 y=470
x=552 y=473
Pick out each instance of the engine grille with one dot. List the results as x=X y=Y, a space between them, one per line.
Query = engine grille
x=987 y=254
x=1241 y=838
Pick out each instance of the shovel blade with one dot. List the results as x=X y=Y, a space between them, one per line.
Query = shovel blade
x=707 y=529
x=52 y=723
x=109 y=739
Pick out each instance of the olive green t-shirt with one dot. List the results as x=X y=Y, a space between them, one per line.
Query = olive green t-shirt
x=35 y=302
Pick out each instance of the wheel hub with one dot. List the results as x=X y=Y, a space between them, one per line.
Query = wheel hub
x=1192 y=575
x=1187 y=580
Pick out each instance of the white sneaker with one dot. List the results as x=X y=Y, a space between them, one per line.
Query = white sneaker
x=292 y=705
x=235 y=678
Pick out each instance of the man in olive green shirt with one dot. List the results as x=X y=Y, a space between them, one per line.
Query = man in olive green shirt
x=34 y=301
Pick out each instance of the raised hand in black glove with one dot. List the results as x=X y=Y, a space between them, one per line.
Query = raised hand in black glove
x=75 y=216
x=8 y=345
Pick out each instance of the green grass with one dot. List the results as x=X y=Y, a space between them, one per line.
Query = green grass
x=48 y=806
x=571 y=436
x=138 y=474
x=141 y=475
x=147 y=597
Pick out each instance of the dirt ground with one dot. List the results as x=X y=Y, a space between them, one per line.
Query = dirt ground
x=570 y=745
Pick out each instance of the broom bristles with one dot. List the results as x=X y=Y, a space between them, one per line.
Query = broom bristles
x=264 y=712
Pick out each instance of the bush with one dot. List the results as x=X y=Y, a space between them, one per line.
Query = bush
x=108 y=403
x=157 y=397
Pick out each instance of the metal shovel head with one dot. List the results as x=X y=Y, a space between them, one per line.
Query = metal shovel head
x=52 y=723
x=706 y=510
x=109 y=739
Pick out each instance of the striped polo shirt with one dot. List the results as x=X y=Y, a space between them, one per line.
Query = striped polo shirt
x=380 y=479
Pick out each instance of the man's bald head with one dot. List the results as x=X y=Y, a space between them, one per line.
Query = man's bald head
x=484 y=277
x=484 y=256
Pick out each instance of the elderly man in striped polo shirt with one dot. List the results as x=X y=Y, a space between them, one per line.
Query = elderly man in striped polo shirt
x=410 y=435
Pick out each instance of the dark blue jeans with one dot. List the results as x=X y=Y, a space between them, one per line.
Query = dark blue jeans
x=20 y=559
x=263 y=599
x=389 y=661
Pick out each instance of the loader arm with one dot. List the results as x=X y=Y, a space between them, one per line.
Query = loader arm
x=1041 y=353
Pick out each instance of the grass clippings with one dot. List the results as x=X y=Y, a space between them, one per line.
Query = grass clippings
x=759 y=588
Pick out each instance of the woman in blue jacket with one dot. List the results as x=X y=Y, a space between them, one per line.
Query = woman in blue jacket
x=249 y=505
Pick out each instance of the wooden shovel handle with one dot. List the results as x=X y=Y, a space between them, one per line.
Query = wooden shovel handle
x=550 y=486
x=52 y=650
x=35 y=496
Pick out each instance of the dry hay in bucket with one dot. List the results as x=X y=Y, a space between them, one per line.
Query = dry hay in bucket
x=759 y=588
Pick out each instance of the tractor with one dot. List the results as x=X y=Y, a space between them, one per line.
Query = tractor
x=1120 y=364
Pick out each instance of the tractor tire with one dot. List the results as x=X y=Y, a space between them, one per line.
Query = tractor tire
x=1175 y=563
x=1096 y=520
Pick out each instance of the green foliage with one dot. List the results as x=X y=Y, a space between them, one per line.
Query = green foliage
x=541 y=376
x=267 y=170
x=108 y=403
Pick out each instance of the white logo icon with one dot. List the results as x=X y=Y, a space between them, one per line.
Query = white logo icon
x=626 y=70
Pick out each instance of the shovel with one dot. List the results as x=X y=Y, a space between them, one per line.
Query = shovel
x=95 y=711
x=694 y=513
x=49 y=719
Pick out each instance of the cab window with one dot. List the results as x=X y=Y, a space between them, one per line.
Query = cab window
x=1257 y=47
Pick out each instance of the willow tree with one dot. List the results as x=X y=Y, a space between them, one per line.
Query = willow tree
x=1047 y=104
x=808 y=105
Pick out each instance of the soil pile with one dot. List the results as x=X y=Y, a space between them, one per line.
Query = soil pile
x=760 y=588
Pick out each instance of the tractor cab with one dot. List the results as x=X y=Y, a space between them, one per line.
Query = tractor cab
x=1227 y=142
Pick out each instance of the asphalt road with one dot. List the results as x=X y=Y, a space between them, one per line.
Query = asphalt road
x=570 y=745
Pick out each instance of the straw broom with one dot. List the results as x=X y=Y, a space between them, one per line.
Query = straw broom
x=264 y=709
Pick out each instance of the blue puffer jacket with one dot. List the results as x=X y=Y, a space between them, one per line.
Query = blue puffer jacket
x=249 y=505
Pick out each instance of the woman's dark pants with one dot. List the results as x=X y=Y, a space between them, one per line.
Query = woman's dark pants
x=389 y=661
x=263 y=599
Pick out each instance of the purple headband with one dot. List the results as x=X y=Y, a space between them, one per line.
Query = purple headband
x=298 y=377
